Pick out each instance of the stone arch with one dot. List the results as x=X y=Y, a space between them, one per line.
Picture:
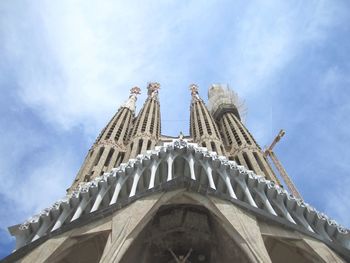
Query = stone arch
x=161 y=173
x=222 y=183
x=143 y=183
x=125 y=187
x=86 y=248
x=219 y=182
x=238 y=190
x=289 y=250
x=201 y=174
x=180 y=230
x=181 y=167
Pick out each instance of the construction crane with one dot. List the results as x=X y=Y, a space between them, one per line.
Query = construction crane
x=269 y=153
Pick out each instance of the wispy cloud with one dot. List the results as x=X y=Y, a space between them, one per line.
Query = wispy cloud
x=268 y=35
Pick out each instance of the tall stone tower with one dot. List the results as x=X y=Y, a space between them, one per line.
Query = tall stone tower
x=239 y=143
x=110 y=147
x=203 y=129
x=141 y=196
x=146 y=132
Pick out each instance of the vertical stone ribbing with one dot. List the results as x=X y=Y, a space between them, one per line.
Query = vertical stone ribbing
x=239 y=144
x=146 y=131
x=109 y=149
x=202 y=125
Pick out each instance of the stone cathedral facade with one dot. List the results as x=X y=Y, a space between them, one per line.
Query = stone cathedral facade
x=212 y=196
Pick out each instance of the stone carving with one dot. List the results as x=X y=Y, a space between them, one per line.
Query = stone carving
x=194 y=89
x=135 y=90
x=153 y=88
x=294 y=210
x=180 y=144
x=131 y=102
x=118 y=146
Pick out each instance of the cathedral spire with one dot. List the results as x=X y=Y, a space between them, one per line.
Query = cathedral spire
x=131 y=102
x=194 y=91
x=202 y=126
x=239 y=143
x=153 y=88
x=145 y=133
x=109 y=148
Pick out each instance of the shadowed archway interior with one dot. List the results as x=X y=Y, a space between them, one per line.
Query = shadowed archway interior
x=184 y=233
x=86 y=248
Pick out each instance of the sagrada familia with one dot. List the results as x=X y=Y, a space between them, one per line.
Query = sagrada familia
x=212 y=196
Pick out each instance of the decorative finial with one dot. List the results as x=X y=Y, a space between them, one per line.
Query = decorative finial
x=181 y=136
x=194 y=89
x=153 y=88
x=135 y=90
x=131 y=102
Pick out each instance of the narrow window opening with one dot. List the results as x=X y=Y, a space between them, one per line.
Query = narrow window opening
x=199 y=122
x=131 y=146
x=109 y=157
x=119 y=159
x=206 y=121
x=213 y=147
x=139 y=147
x=153 y=118
x=240 y=127
x=215 y=128
x=261 y=165
x=87 y=177
x=126 y=133
x=158 y=121
x=98 y=157
x=145 y=118
x=120 y=128
x=193 y=126
x=116 y=118
x=237 y=160
x=138 y=120
x=235 y=133
x=224 y=131
x=248 y=162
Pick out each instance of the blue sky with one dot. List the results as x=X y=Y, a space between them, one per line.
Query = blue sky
x=66 y=66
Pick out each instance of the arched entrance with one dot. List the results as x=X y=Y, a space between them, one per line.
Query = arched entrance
x=184 y=233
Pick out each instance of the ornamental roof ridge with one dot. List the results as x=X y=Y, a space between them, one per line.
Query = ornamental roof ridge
x=307 y=216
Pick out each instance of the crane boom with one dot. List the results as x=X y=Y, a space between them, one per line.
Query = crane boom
x=276 y=140
x=269 y=152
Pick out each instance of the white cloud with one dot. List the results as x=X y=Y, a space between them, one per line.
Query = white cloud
x=269 y=36
x=334 y=87
x=84 y=56
x=33 y=174
x=74 y=64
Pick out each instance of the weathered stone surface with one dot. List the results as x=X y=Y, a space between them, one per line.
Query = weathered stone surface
x=43 y=252
x=127 y=224
x=323 y=251
x=206 y=173
x=247 y=226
